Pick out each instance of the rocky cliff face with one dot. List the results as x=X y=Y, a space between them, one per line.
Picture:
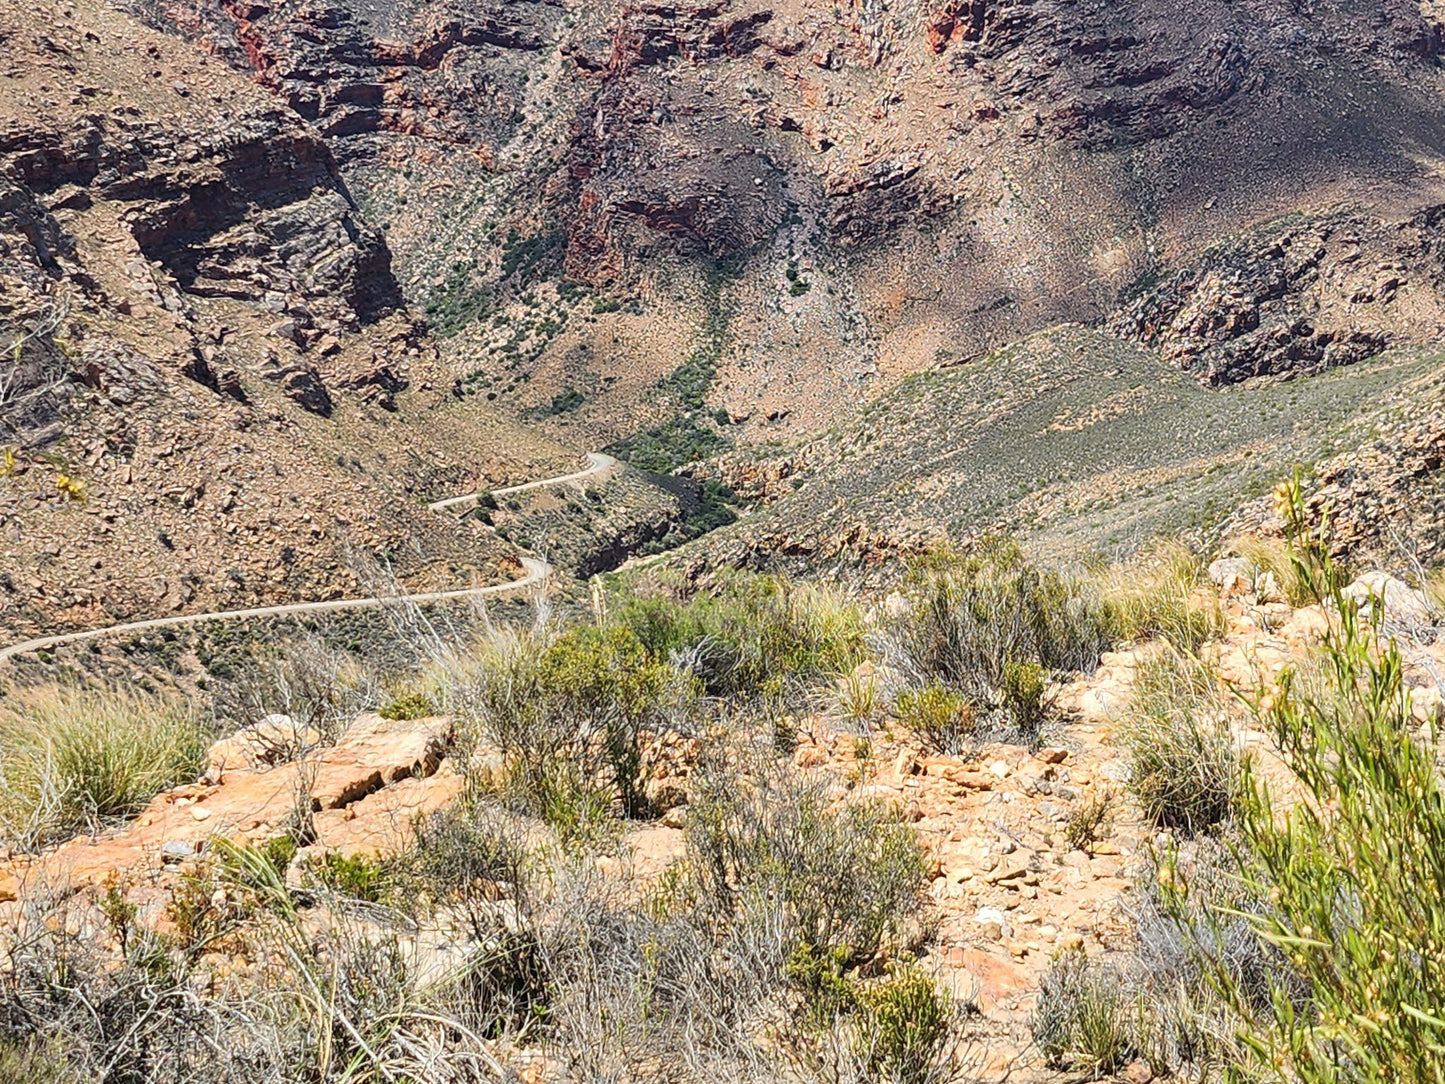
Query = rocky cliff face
x=211 y=388
x=1297 y=296
x=881 y=186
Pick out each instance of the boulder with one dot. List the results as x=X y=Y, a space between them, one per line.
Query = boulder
x=1403 y=606
x=376 y=752
x=1226 y=572
x=267 y=742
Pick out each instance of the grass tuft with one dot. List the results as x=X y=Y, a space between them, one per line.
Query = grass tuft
x=72 y=760
x=1184 y=764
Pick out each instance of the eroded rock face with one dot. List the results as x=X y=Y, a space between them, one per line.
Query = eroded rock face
x=645 y=88
x=1297 y=297
x=886 y=184
x=355 y=70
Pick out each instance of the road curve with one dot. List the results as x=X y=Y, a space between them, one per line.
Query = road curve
x=597 y=463
x=536 y=570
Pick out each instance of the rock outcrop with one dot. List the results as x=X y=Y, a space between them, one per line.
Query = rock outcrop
x=1298 y=297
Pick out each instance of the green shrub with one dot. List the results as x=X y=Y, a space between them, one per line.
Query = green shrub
x=464 y=849
x=1088 y=822
x=1184 y=765
x=72 y=759
x=358 y=876
x=1023 y=692
x=754 y=636
x=573 y=715
x=942 y=717
x=409 y=704
x=564 y=402
x=904 y=1028
x=674 y=443
x=970 y=617
x=279 y=851
x=1352 y=876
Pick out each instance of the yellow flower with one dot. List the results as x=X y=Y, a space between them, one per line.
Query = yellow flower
x=71 y=489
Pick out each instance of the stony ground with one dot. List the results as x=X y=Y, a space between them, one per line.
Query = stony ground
x=1006 y=889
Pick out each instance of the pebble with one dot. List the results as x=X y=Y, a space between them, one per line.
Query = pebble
x=173 y=850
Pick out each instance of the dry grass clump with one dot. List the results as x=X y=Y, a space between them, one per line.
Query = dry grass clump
x=1086 y=1018
x=970 y=617
x=1157 y=595
x=1434 y=587
x=74 y=759
x=1275 y=569
x=1185 y=766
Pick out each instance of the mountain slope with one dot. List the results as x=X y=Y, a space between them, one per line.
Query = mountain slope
x=578 y=195
x=1074 y=439
x=212 y=392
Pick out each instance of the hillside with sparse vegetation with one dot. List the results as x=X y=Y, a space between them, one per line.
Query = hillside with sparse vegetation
x=722 y=542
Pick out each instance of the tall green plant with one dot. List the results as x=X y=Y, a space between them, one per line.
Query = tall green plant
x=1350 y=873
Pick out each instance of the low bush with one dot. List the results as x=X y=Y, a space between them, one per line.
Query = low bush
x=1184 y=765
x=970 y=617
x=905 y=1029
x=748 y=952
x=754 y=636
x=408 y=704
x=72 y=759
x=573 y=715
x=1088 y=822
x=1085 y=1017
x=940 y=716
x=857 y=699
x=357 y=876
x=1024 y=694
x=839 y=881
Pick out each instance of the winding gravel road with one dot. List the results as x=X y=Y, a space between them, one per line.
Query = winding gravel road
x=597 y=463
x=537 y=572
